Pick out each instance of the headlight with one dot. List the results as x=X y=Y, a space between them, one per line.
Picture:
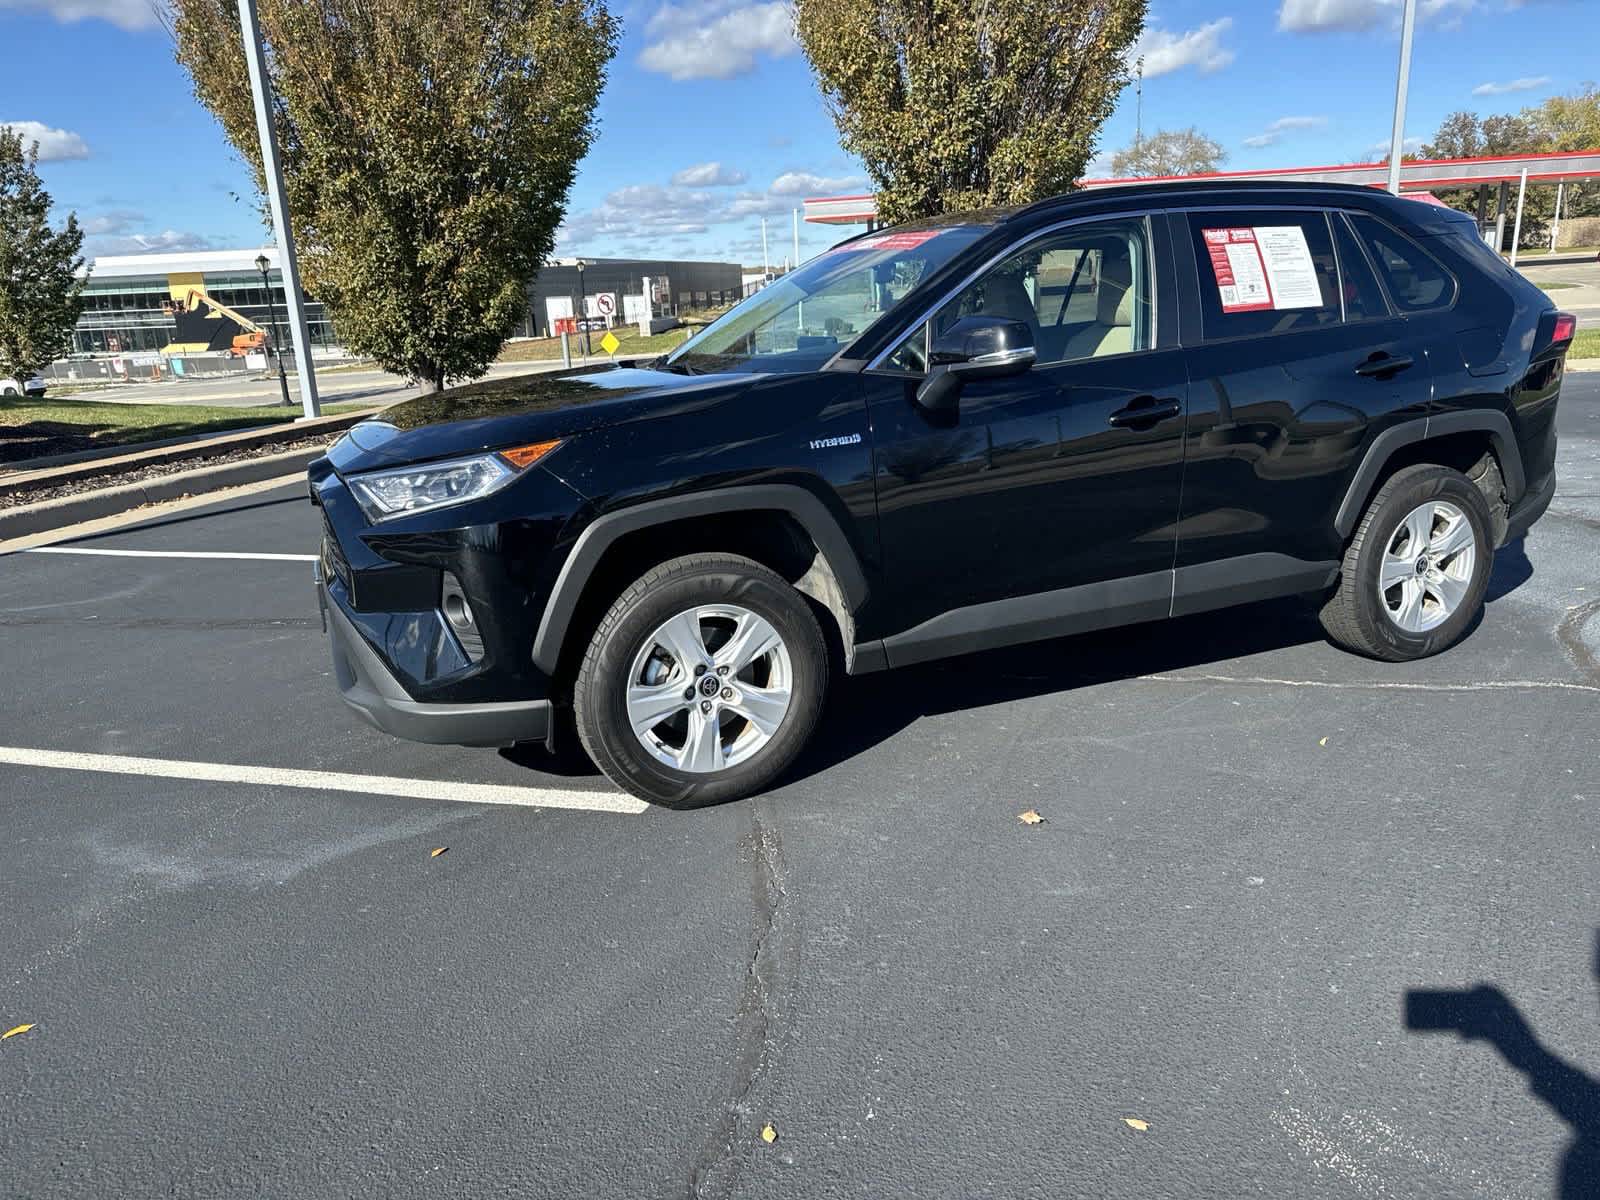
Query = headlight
x=384 y=495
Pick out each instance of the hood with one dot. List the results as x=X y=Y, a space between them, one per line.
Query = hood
x=520 y=409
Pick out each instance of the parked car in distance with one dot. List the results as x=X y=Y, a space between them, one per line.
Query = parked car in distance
x=963 y=433
x=33 y=387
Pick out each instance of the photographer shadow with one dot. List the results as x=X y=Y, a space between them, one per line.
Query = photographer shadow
x=1486 y=1013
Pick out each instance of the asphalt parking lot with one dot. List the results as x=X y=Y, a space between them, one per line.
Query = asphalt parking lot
x=247 y=974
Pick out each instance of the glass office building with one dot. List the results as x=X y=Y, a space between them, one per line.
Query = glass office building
x=128 y=300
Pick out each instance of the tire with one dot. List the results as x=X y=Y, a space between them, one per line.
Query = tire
x=1413 y=618
x=689 y=758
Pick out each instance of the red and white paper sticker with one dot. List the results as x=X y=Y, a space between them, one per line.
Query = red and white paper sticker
x=905 y=240
x=1264 y=266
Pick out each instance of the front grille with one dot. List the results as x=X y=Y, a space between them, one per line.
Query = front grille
x=334 y=564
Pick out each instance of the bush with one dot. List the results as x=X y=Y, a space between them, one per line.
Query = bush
x=1578 y=231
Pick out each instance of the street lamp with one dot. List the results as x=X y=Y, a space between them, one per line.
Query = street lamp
x=583 y=308
x=283 y=380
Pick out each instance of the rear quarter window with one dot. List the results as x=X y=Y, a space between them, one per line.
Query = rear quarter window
x=1415 y=280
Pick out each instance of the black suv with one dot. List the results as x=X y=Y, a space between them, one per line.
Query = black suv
x=1109 y=407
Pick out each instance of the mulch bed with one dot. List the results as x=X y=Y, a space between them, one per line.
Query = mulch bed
x=13 y=498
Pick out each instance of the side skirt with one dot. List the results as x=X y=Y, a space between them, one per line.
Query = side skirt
x=1093 y=606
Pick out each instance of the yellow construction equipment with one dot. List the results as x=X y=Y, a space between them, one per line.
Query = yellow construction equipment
x=205 y=324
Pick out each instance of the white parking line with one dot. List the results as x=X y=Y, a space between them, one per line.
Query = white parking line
x=336 y=781
x=169 y=553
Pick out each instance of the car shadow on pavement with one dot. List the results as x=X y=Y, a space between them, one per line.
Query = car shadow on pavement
x=870 y=709
x=1485 y=1013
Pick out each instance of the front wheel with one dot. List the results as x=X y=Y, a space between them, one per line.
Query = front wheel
x=702 y=683
x=1416 y=571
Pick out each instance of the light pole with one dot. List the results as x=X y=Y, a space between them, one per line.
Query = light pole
x=583 y=309
x=277 y=351
x=1408 y=22
x=261 y=92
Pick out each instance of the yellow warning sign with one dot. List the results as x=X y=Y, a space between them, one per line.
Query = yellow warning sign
x=609 y=343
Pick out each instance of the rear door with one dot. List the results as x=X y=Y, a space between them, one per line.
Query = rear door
x=1296 y=360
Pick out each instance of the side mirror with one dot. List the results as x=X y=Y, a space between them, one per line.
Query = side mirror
x=974 y=348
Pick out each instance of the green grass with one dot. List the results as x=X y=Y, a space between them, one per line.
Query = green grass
x=1545 y=253
x=34 y=428
x=633 y=346
x=1586 y=344
x=1556 y=287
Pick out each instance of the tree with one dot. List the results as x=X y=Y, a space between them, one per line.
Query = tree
x=1570 y=122
x=428 y=147
x=1169 y=152
x=40 y=288
x=951 y=104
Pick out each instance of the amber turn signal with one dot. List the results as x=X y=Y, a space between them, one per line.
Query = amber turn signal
x=526 y=456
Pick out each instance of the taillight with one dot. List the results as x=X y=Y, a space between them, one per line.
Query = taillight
x=1566 y=326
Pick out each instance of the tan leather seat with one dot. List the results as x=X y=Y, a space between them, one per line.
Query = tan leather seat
x=1005 y=296
x=1111 y=332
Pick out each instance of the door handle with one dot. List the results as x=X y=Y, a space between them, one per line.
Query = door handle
x=1145 y=411
x=1381 y=364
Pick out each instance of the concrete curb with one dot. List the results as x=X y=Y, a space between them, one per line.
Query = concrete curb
x=205 y=446
x=71 y=510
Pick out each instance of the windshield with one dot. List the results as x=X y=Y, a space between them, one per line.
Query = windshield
x=800 y=321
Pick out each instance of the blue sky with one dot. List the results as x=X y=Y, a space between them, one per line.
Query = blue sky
x=711 y=118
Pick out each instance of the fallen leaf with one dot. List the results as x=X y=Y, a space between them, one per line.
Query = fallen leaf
x=1323 y=742
x=1136 y=1123
x=437 y=850
x=769 y=1134
x=1030 y=818
x=11 y=1033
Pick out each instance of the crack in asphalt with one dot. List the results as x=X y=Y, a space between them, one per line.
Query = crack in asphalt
x=760 y=1014
x=166 y=622
x=1570 y=634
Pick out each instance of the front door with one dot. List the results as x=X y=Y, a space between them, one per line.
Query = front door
x=1048 y=502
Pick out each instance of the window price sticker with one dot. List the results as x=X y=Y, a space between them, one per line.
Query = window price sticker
x=1265 y=266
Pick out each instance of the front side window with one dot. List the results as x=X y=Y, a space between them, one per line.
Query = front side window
x=803 y=319
x=1415 y=279
x=1264 y=271
x=1085 y=292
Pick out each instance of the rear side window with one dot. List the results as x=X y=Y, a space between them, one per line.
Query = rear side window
x=1414 y=277
x=1264 y=271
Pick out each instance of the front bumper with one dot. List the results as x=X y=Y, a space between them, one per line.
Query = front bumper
x=369 y=687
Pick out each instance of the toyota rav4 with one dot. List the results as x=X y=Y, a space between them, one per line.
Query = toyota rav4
x=957 y=434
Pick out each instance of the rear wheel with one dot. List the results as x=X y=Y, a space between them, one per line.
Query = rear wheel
x=702 y=683
x=1415 y=572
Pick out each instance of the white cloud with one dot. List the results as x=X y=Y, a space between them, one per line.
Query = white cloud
x=169 y=241
x=1275 y=131
x=1526 y=84
x=1164 y=51
x=653 y=213
x=132 y=15
x=804 y=183
x=116 y=221
x=715 y=41
x=711 y=174
x=1379 y=151
x=55 y=145
x=1331 y=16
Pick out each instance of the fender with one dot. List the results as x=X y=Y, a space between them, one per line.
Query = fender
x=593 y=542
x=1386 y=443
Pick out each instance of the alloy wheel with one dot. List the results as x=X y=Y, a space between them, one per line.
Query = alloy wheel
x=1427 y=566
x=709 y=688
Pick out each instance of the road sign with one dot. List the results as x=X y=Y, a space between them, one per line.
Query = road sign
x=606 y=304
x=609 y=343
